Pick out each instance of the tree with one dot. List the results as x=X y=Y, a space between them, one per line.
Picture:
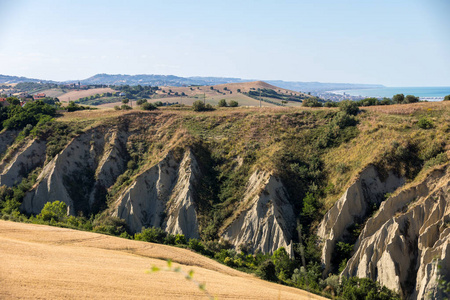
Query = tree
x=349 y=107
x=13 y=100
x=267 y=271
x=198 y=106
x=141 y=101
x=222 y=103
x=311 y=102
x=447 y=98
x=398 y=98
x=125 y=101
x=148 y=106
x=234 y=103
x=411 y=99
x=56 y=210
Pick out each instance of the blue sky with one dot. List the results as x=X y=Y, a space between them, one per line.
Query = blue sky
x=395 y=43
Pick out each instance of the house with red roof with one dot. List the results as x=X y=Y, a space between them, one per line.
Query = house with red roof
x=39 y=96
x=3 y=102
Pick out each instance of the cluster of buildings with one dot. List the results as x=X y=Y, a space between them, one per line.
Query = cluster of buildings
x=23 y=97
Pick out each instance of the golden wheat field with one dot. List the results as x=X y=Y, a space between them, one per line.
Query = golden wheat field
x=43 y=262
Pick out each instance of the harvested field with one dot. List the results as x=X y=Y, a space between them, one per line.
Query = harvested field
x=75 y=95
x=49 y=262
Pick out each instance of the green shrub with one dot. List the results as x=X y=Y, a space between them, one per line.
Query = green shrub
x=196 y=245
x=158 y=103
x=222 y=103
x=364 y=288
x=180 y=239
x=267 y=271
x=151 y=234
x=425 y=123
x=398 y=98
x=169 y=239
x=411 y=99
x=311 y=102
x=349 y=107
x=198 y=106
x=233 y=103
x=109 y=225
x=125 y=107
x=56 y=210
x=440 y=159
x=141 y=101
x=447 y=98
x=148 y=106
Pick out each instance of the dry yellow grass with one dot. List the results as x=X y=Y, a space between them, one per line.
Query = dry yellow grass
x=75 y=95
x=47 y=262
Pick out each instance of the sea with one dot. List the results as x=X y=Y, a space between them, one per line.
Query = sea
x=424 y=93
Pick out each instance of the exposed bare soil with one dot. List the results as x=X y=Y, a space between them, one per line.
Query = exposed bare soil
x=39 y=261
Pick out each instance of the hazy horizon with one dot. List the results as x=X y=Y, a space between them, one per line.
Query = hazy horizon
x=396 y=44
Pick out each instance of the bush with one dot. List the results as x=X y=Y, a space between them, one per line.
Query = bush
x=398 y=99
x=74 y=107
x=267 y=271
x=311 y=102
x=364 y=288
x=222 y=103
x=233 y=103
x=56 y=210
x=109 y=225
x=411 y=99
x=447 y=98
x=331 y=104
x=151 y=234
x=425 y=123
x=158 y=103
x=349 y=107
x=180 y=239
x=125 y=107
x=117 y=107
x=141 y=101
x=343 y=120
x=198 y=106
x=196 y=245
x=148 y=106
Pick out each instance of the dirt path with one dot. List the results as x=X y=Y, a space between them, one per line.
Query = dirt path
x=48 y=262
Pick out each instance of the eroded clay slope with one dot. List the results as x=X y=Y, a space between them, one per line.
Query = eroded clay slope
x=93 y=159
x=267 y=220
x=352 y=207
x=28 y=157
x=162 y=197
x=403 y=244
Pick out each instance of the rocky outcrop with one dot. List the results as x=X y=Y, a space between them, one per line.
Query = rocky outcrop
x=94 y=158
x=163 y=196
x=30 y=156
x=267 y=219
x=402 y=246
x=353 y=207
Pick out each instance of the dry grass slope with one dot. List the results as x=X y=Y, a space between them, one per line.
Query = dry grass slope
x=52 y=263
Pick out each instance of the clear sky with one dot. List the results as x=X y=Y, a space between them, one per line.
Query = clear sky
x=390 y=42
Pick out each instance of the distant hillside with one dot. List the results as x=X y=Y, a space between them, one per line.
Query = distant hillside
x=17 y=79
x=157 y=80
x=171 y=80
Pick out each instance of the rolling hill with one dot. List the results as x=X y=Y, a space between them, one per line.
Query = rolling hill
x=54 y=263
